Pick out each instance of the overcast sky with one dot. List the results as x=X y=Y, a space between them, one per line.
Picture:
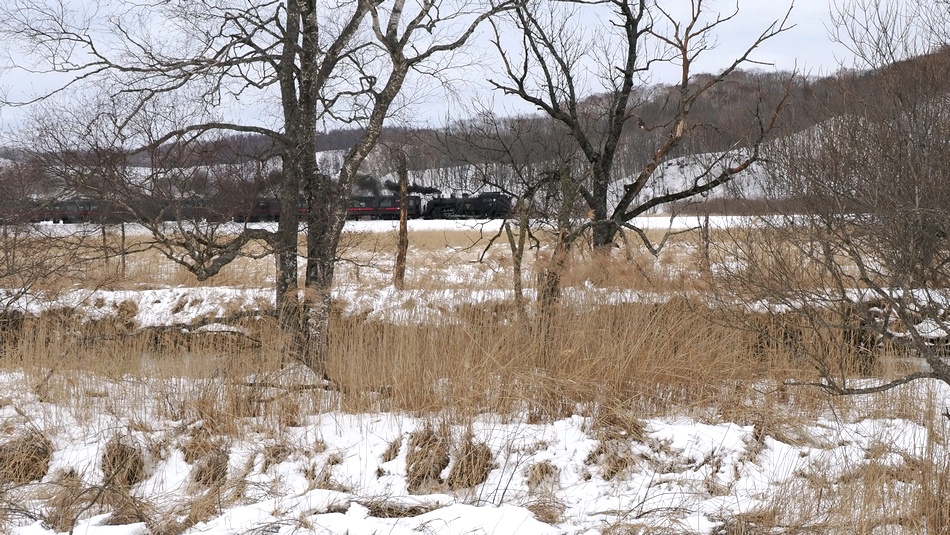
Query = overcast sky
x=806 y=47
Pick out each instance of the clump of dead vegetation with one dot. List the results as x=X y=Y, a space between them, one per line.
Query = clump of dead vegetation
x=426 y=458
x=123 y=463
x=25 y=458
x=473 y=463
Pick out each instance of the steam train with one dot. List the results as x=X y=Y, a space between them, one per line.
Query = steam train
x=382 y=207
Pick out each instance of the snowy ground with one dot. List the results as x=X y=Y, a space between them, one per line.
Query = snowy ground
x=332 y=474
x=656 y=222
x=342 y=473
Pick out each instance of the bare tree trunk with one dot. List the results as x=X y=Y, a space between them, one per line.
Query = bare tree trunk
x=318 y=309
x=550 y=290
x=517 y=260
x=549 y=293
x=604 y=230
x=321 y=247
x=551 y=273
x=402 y=244
x=285 y=249
x=325 y=215
x=122 y=250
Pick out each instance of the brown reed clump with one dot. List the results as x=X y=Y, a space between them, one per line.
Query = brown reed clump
x=473 y=464
x=123 y=464
x=427 y=457
x=212 y=469
x=25 y=458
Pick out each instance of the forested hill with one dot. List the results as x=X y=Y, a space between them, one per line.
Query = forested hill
x=720 y=119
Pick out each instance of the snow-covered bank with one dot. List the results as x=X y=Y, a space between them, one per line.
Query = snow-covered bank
x=657 y=222
x=349 y=473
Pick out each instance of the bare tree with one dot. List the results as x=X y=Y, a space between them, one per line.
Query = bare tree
x=861 y=270
x=397 y=151
x=29 y=256
x=524 y=157
x=337 y=63
x=551 y=71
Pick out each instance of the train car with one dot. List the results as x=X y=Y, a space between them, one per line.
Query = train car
x=383 y=207
x=80 y=210
x=260 y=210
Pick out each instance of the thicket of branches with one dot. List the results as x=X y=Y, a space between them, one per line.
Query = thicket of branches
x=858 y=273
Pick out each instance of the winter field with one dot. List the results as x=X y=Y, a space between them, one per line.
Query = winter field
x=136 y=400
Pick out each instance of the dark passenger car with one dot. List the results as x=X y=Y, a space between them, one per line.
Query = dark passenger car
x=385 y=207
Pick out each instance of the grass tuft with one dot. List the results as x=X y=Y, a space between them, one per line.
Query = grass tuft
x=211 y=470
x=382 y=508
x=427 y=457
x=473 y=464
x=25 y=458
x=123 y=464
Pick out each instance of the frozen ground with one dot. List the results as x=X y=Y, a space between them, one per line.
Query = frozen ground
x=340 y=473
x=658 y=222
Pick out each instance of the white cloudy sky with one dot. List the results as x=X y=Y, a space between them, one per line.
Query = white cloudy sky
x=806 y=47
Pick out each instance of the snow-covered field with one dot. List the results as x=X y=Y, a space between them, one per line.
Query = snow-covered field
x=339 y=473
x=769 y=466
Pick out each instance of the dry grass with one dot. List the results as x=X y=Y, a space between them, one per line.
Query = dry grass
x=427 y=456
x=616 y=363
x=25 y=458
x=625 y=361
x=123 y=463
x=382 y=508
x=473 y=464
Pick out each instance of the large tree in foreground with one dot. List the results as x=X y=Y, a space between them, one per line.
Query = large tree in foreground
x=571 y=50
x=296 y=64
